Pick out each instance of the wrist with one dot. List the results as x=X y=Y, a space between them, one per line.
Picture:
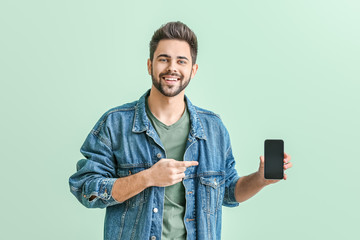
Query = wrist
x=147 y=178
x=260 y=179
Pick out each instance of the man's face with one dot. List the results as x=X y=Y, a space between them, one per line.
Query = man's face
x=171 y=69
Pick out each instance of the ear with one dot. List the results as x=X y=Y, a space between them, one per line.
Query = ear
x=194 y=70
x=149 y=66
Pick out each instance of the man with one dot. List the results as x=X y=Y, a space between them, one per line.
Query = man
x=161 y=166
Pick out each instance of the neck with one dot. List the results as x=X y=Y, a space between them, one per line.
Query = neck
x=167 y=109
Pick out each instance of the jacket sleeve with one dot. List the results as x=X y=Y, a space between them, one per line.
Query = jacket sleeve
x=231 y=176
x=96 y=173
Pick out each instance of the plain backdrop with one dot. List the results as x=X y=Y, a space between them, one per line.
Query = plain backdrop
x=270 y=69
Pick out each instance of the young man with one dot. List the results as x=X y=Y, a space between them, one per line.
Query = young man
x=161 y=166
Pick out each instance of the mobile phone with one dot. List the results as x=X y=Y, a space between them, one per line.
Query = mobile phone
x=274 y=159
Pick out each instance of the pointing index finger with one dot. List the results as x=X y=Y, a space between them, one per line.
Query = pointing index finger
x=189 y=163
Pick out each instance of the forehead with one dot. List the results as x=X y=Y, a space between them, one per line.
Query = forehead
x=173 y=47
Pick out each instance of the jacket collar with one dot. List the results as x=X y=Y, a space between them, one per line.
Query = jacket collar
x=142 y=122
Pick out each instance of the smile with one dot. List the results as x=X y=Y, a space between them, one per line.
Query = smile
x=170 y=78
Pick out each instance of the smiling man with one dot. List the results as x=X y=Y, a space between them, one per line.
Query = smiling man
x=162 y=167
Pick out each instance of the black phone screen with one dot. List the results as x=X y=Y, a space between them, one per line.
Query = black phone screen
x=274 y=159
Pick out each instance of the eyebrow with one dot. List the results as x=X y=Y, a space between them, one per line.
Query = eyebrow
x=167 y=56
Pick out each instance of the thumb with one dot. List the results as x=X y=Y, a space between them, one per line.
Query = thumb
x=262 y=160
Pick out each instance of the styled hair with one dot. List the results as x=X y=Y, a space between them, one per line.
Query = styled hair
x=175 y=30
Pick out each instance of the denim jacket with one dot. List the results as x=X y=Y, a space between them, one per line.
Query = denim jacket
x=123 y=142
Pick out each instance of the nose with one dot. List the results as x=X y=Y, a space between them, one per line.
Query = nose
x=171 y=67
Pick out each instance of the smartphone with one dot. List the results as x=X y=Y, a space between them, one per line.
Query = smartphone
x=274 y=159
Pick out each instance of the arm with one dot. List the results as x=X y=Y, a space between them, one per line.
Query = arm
x=164 y=173
x=96 y=180
x=91 y=184
x=248 y=186
x=127 y=187
x=96 y=184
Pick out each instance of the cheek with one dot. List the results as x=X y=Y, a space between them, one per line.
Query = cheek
x=191 y=75
x=156 y=70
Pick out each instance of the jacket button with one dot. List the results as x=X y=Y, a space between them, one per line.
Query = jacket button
x=155 y=210
x=105 y=194
x=153 y=238
x=159 y=155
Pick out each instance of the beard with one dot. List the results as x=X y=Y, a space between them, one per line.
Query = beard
x=172 y=90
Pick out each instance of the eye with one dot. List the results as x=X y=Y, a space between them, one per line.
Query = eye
x=162 y=59
x=182 y=62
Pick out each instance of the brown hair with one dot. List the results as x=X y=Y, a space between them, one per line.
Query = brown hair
x=175 y=30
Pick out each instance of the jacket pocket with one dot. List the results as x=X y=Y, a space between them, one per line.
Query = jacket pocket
x=141 y=197
x=212 y=192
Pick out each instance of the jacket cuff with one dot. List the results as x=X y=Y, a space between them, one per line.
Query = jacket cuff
x=231 y=197
x=105 y=191
x=104 y=194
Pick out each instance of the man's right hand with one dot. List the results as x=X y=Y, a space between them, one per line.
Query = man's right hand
x=167 y=172
x=164 y=173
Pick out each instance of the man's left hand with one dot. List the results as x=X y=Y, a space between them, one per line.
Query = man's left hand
x=287 y=165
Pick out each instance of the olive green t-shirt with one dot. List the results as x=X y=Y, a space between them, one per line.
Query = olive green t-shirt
x=174 y=139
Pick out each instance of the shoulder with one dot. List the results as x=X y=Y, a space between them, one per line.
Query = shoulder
x=210 y=120
x=127 y=107
x=207 y=115
x=114 y=115
x=122 y=109
x=201 y=113
x=213 y=126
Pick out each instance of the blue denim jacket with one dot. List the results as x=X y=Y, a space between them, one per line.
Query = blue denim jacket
x=123 y=142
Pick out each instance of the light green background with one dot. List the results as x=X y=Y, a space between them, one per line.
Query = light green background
x=271 y=69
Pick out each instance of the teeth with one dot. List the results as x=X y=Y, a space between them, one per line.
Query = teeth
x=171 y=79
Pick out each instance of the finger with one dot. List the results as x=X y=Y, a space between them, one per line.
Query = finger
x=179 y=177
x=287 y=157
x=262 y=160
x=187 y=164
x=288 y=165
x=166 y=161
x=181 y=169
x=285 y=176
x=175 y=163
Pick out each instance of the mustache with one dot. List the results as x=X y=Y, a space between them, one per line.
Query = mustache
x=171 y=74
